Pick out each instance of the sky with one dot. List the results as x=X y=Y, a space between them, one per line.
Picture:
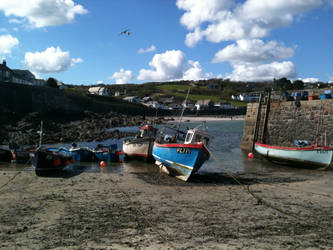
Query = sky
x=81 y=42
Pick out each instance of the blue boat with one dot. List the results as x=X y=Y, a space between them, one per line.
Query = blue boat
x=179 y=153
x=107 y=153
x=83 y=154
x=51 y=159
x=100 y=153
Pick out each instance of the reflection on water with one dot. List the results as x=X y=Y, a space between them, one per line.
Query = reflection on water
x=227 y=157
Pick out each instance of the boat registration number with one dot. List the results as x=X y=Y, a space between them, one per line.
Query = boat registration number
x=183 y=150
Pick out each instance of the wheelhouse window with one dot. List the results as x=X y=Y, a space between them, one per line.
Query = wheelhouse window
x=188 y=138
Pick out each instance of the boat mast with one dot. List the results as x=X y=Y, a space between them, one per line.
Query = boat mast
x=181 y=116
x=40 y=133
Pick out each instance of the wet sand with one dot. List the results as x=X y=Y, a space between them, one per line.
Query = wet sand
x=137 y=210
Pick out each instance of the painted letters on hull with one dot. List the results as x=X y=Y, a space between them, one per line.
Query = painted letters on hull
x=180 y=160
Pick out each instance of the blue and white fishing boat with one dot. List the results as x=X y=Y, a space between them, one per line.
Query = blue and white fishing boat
x=179 y=153
x=305 y=156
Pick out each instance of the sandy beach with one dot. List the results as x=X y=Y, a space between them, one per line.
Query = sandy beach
x=136 y=210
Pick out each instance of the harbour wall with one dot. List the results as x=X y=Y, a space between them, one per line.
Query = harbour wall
x=310 y=120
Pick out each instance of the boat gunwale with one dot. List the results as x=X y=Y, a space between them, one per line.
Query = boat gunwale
x=314 y=147
x=182 y=145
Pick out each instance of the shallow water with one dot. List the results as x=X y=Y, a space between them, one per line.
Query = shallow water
x=227 y=157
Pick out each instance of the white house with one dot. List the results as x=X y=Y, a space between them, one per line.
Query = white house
x=99 y=91
x=247 y=97
x=120 y=92
x=131 y=99
x=204 y=104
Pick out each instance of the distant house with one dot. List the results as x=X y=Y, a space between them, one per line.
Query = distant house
x=235 y=97
x=61 y=85
x=213 y=86
x=18 y=76
x=120 y=92
x=168 y=100
x=204 y=104
x=224 y=105
x=146 y=99
x=188 y=105
x=99 y=91
x=6 y=74
x=131 y=99
x=175 y=106
x=247 y=97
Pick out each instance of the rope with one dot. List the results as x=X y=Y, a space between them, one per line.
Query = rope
x=11 y=179
x=157 y=231
x=260 y=200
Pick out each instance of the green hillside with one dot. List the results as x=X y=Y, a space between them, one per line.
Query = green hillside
x=215 y=89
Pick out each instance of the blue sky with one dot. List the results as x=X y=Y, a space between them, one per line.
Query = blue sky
x=79 y=42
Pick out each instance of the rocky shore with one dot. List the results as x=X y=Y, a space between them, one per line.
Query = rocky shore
x=92 y=127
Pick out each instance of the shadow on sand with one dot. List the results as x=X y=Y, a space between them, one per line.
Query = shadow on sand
x=65 y=173
x=216 y=179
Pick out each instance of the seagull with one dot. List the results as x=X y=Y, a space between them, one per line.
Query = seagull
x=125 y=32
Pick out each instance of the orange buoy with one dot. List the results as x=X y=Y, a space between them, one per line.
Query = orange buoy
x=250 y=155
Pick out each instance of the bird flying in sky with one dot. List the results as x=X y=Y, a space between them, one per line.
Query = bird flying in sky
x=125 y=32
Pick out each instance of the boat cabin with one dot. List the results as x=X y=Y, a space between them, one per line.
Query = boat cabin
x=147 y=131
x=197 y=136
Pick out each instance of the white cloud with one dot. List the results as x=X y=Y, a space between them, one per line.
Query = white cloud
x=223 y=20
x=42 y=13
x=170 y=66
x=165 y=67
x=150 y=49
x=7 y=43
x=195 y=72
x=123 y=76
x=263 y=72
x=309 y=80
x=51 y=60
x=330 y=79
x=255 y=60
x=253 y=51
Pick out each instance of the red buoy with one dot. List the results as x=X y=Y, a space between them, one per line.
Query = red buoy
x=250 y=155
x=102 y=164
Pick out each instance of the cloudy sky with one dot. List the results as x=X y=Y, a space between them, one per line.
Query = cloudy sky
x=80 y=42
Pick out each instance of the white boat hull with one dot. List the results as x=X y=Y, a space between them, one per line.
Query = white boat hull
x=138 y=148
x=306 y=156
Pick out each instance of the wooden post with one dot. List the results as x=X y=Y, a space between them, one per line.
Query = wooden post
x=257 y=122
x=268 y=104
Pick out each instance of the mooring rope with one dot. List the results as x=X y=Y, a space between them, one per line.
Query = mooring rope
x=261 y=200
x=11 y=179
x=147 y=220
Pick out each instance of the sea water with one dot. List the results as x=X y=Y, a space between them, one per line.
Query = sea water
x=226 y=155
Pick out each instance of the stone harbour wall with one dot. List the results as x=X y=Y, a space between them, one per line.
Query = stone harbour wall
x=312 y=120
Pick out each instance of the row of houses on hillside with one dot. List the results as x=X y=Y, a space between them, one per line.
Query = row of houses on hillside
x=101 y=90
x=18 y=76
x=167 y=103
x=247 y=97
